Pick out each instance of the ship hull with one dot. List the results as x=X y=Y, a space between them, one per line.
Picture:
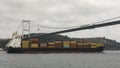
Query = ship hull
x=47 y=50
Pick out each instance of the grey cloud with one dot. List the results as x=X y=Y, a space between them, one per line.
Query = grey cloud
x=58 y=13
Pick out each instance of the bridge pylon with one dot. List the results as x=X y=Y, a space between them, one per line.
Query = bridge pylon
x=25 y=28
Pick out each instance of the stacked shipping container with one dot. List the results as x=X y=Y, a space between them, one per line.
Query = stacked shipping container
x=66 y=44
x=86 y=45
x=51 y=45
x=35 y=43
x=25 y=44
x=73 y=44
x=79 y=45
x=58 y=44
x=43 y=44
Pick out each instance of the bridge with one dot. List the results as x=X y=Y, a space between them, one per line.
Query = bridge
x=77 y=28
x=93 y=26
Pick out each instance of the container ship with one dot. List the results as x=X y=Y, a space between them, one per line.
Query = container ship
x=35 y=45
x=19 y=44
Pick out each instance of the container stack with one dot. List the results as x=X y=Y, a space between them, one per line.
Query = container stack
x=86 y=45
x=34 y=43
x=58 y=44
x=66 y=44
x=93 y=45
x=99 y=44
x=73 y=44
x=25 y=44
x=79 y=45
x=51 y=44
x=43 y=45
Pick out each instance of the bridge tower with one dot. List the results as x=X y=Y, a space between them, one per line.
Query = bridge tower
x=26 y=28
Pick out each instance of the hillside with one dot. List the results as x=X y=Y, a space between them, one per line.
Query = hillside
x=3 y=42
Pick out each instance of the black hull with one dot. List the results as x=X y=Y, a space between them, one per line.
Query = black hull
x=30 y=50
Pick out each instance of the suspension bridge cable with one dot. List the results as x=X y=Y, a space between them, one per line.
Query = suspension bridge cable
x=19 y=27
x=43 y=26
x=108 y=20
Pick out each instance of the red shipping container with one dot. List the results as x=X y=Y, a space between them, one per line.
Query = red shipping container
x=58 y=44
x=34 y=40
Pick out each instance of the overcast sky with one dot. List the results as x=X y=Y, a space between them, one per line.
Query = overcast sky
x=60 y=13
